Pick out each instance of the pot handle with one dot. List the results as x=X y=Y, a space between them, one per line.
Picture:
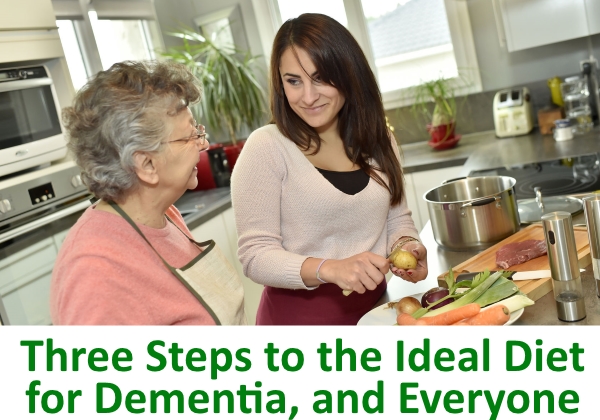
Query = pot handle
x=453 y=179
x=481 y=202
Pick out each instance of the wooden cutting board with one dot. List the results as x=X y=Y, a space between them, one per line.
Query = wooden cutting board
x=535 y=289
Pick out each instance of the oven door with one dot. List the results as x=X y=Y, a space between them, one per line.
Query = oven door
x=27 y=255
x=28 y=112
x=30 y=129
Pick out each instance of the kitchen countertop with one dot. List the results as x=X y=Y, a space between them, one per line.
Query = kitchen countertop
x=420 y=156
x=485 y=150
x=530 y=149
x=198 y=207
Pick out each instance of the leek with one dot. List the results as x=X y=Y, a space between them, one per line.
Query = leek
x=497 y=292
x=515 y=302
x=468 y=297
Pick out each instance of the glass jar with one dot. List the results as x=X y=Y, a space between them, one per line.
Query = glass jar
x=575 y=96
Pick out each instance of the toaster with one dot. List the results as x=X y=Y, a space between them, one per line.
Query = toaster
x=513 y=114
x=213 y=168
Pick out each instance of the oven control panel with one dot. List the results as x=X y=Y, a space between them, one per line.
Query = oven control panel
x=6 y=75
x=41 y=193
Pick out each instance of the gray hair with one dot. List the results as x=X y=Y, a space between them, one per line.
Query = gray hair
x=120 y=112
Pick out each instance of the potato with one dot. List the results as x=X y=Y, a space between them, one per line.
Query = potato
x=403 y=259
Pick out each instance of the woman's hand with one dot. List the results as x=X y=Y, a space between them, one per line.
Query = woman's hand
x=417 y=274
x=358 y=273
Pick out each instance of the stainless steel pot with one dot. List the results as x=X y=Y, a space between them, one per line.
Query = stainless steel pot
x=473 y=212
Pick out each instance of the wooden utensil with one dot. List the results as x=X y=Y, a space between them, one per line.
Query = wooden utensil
x=534 y=289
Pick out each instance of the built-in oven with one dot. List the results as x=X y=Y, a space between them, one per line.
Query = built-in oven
x=30 y=129
x=37 y=209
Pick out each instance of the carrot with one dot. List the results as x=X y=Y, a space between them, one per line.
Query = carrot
x=496 y=315
x=405 y=319
x=452 y=316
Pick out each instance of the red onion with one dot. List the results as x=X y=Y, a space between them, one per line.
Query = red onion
x=433 y=295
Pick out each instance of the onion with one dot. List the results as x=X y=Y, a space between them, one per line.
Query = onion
x=433 y=295
x=407 y=305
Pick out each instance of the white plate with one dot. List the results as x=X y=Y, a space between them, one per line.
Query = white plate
x=382 y=315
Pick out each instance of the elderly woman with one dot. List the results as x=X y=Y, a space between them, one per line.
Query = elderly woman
x=130 y=258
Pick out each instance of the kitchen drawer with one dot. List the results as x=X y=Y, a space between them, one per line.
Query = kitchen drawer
x=21 y=266
x=29 y=303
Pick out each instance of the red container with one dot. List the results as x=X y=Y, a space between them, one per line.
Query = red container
x=206 y=181
x=442 y=136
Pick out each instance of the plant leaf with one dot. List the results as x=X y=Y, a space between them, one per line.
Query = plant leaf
x=232 y=97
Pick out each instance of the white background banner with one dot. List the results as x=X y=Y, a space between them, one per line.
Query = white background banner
x=299 y=372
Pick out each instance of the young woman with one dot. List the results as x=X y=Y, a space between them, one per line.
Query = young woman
x=318 y=195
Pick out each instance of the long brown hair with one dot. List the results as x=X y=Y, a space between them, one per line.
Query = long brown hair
x=340 y=62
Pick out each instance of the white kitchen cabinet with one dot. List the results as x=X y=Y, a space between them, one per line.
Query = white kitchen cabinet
x=28 y=31
x=412 y=201
x=221 y=229
x=214 y=229
x=426 y=180
x=25 y=283
x=592 y=8
x=532 y=23
x=27 y=14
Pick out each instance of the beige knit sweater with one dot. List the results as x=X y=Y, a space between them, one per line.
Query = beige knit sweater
x=286 y=212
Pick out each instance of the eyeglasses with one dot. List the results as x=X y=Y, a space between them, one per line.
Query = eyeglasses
x=201 y=137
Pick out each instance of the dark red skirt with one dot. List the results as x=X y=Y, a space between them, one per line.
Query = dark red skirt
x=326 y=305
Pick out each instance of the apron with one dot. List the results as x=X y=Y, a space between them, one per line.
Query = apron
x=209 y=277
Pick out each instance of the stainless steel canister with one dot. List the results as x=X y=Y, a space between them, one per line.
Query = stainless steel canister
x=591 y=205
x=564 y=265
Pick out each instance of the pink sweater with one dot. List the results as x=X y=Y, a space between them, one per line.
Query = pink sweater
x=106 y=274
x=286 y=211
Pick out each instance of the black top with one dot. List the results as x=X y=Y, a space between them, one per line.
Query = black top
x=349 y=183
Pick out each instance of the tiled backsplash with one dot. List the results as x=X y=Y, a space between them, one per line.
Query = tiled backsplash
x=475 y=113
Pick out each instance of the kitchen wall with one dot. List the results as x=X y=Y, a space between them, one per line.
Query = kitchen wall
x=499 y=70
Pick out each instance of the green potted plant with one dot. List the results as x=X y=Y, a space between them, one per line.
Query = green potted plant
x=232 y=97
x=435 y=101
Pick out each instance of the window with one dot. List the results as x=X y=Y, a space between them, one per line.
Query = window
x=70 y=45
x=406 y=41
x=120 y=40
x=411 y=42
x=96 y=36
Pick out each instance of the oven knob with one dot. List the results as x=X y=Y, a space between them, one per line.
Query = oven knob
x=76 y=181
x=5 y=206
x=23 y=74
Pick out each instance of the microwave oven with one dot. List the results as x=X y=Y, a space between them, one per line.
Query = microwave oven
x=30 y=129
